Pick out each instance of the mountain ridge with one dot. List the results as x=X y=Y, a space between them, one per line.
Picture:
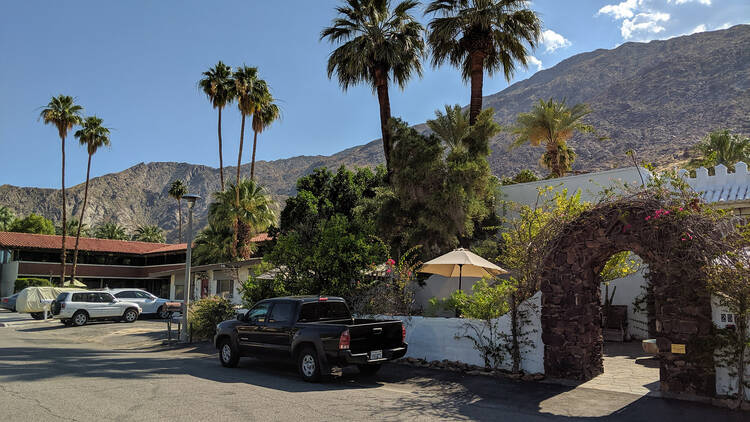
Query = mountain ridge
x=657 y=98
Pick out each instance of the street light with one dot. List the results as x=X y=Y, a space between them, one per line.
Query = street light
x=191 y=200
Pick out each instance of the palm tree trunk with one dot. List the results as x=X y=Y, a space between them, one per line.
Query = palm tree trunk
x=381 y=81
x=179 y=217
x=239 y=161
x=252 y=163
x=554 y=153
x=221 y=158
x=80 y=219
x=64 y=219
x=477 y=80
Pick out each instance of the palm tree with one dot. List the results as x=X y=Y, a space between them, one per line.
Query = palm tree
x=451 y=127
x=267 y=113
x=218 y=85
x=250 y=91
x=149 y=233
x=6 y=218
x=112 y=231
x=554 y=124
x=72 y=230
x=721 y=147
x=176 y=190
x=377 y=43
x=62 y=112
x=479 y=35
x=93 y=136
x=213 y=245
x=254 y=214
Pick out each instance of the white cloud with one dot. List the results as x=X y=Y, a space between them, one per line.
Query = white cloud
x=622 y=10
x=643 y=23
x=704 y=2
x=699 y=28
x=535 y=62
x=552 y=41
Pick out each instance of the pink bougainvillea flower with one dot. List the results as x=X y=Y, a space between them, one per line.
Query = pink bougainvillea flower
x=388 y=271
x=680 y=208
x=648 y=217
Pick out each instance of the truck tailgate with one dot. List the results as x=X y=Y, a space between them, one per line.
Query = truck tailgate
x=368 y=335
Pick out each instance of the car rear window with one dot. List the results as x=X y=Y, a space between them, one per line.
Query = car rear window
x=321 y=311
x=80 y=297
x=61 y=297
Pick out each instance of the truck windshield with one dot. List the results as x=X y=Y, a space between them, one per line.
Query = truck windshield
x=321 y=311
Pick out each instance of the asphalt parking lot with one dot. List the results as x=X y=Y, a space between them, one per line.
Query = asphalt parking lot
x=119 y=372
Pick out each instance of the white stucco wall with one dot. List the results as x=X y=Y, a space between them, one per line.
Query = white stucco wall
x=439 y=287
x=435 y=338
x=725 y=384
x=628 y=288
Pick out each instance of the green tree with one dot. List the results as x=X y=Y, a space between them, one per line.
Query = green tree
x=33 y=223
x=218 y=85
x=552 y=123
x=93 y=136
x=111 y=231
x=177 y=190
x=6 y=218
x=479 y=35
x=721 y=147
x=251 y=92
x=451 y=127
x=213 y=245
x=254 y=214
x=149 y=233
x=72 y=229
x=377 y=43
x=63 y=113
x=267 y=113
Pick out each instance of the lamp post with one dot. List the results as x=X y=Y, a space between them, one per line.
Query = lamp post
x=191 y=199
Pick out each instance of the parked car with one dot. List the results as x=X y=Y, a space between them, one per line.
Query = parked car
x=316 y=332
x=149 y=303
x=79 y=307
x=9 y=302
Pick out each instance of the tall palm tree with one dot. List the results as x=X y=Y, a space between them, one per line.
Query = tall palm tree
x=377 y=43
x=149 y=233
x=177 y=190
x=267 y=113
x=552 y=123
x=111 y=231
x=250 y=91
x=63 y=113
x=218 y=85
x=213 y=245
x=93 y=136
x=479 y=35
x=254 y=214
x=6 y=218
x=722 y=147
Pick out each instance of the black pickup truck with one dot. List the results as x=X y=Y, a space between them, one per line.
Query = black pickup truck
x=318 y=333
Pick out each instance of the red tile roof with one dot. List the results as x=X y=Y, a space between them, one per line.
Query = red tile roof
x=43 y=241
x=261 y=237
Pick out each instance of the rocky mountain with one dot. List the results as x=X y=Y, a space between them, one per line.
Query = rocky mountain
x=657 y=98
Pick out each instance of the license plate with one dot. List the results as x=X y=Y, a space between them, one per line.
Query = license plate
x=376 y=354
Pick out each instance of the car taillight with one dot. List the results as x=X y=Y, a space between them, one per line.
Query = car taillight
x=62 y=305
x=344 y=340
x=403 y=333
x=5 y=300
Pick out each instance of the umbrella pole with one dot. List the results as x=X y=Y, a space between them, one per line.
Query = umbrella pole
x=460 y=273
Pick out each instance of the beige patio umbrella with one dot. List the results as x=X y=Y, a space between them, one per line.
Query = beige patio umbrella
x=461 y=262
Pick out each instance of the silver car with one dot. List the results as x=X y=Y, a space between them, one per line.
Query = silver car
x=79 y=307
x=149 y=303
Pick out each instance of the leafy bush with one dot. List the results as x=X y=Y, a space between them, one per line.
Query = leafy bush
x=33 y=223
x=22 y=283
x=486 y=302
x=206 y=313
x=256 y=289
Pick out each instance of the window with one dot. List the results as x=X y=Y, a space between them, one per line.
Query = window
x=333 y=310
x=142 y=295
x=225 y=288
x=61 y=297
x=309 y=312
x=258 y=313
x=125 y=295
x=79 y=297
x=281 y=312
x=103 y=297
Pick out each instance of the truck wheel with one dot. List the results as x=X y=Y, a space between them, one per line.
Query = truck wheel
x=37 y=315
x=228 y=356
x=130 y=315
x=309 y=364
x=368 y=369
x=80 y=318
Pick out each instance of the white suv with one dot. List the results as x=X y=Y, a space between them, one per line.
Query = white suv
x=78 y=307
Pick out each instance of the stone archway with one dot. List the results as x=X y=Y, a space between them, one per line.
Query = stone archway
x=571 y=296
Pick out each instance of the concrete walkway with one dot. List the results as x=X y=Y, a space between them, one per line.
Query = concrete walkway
x=627 y=369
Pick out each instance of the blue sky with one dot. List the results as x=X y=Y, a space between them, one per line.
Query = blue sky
x=135 y=64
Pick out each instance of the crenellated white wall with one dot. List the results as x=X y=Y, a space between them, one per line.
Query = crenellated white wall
x=722 y=187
